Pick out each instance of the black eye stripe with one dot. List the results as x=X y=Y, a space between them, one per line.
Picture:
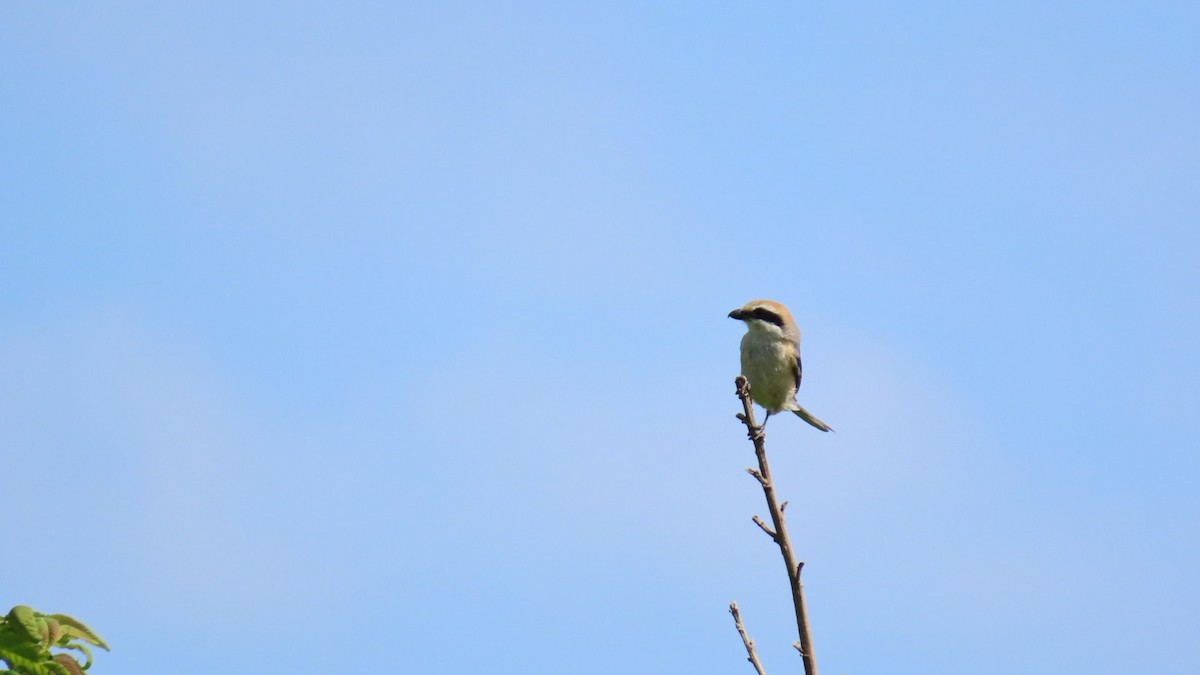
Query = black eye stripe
x=767 y=315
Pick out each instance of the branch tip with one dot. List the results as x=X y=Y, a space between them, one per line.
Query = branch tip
x=741 y=383
x=751 y=656
x=763 y=526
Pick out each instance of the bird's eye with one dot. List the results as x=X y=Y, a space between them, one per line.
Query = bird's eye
x=764 y=314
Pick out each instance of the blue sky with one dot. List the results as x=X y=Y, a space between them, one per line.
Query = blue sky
x=338 y=337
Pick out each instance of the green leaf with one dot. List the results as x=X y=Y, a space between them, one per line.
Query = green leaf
x=25 y=622
x=56 y=668
x=82 y=649
x=26 y=659
x=76 y=629
x=11 y=638
x=53 y=630
x=25 y=638
x=68 y=664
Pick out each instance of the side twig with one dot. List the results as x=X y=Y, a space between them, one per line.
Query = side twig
x=780 y=534
x=752 y=657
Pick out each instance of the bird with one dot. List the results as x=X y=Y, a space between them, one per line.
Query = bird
x=771 y=358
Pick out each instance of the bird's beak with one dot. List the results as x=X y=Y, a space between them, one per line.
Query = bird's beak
x=737 y=314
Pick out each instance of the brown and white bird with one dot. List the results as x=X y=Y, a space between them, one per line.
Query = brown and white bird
x=771 y=358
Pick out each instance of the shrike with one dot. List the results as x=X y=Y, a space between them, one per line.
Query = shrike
x=771 y=358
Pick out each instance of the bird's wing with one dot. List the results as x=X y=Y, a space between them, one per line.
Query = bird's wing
x=799 y=369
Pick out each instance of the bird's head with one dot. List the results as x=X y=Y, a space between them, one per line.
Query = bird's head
x=767 y=317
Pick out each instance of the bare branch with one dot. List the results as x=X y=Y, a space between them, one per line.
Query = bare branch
x=779 y=535
x=752 y=657
x=756 y=474
x=758 y=521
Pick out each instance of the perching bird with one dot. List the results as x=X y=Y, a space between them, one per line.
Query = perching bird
x=771 y=358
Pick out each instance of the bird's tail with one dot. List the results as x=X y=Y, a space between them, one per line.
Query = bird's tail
x=808 y=417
